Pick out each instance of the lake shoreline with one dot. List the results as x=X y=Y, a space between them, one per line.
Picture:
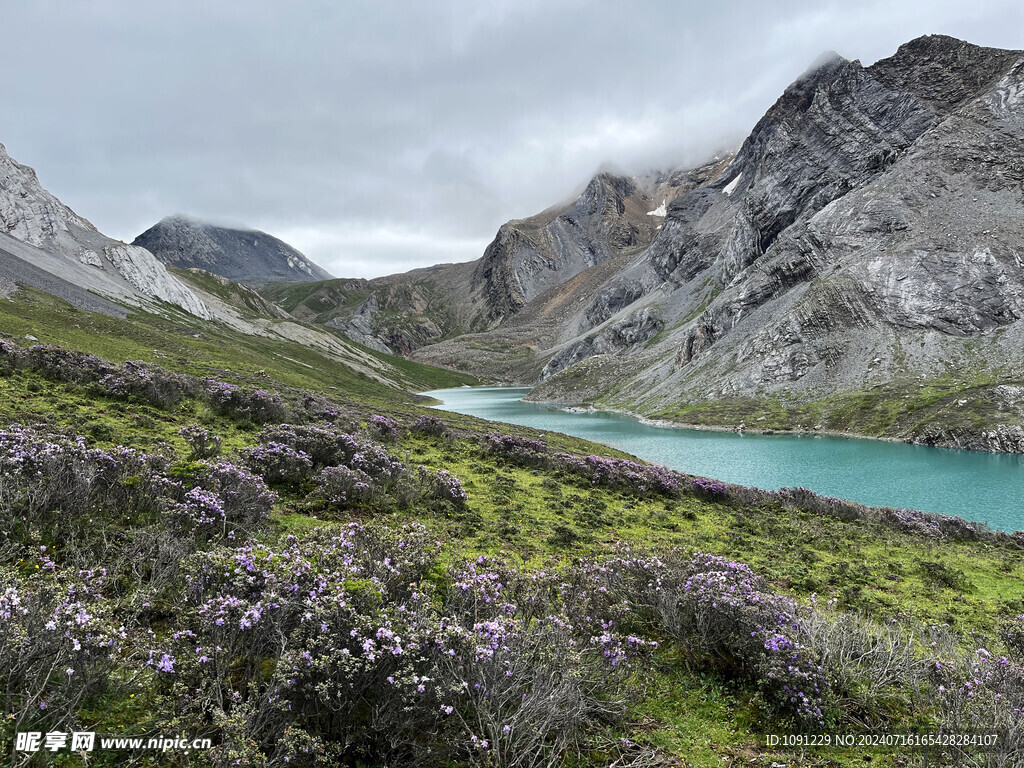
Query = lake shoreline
x=877 y=472
x=999 y=440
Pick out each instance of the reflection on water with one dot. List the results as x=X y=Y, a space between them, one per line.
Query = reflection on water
x=977 y=486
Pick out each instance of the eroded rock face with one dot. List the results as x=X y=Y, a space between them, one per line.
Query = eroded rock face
x=627 y=333
x=33 y=216
x=614 y=214
x=876 y=200
x=242 y=255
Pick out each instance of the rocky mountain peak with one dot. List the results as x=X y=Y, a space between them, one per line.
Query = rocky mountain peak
x=942 y=71
x=233 y=252
x=32 y=215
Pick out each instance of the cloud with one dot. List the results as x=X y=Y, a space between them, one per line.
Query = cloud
x=434 y=122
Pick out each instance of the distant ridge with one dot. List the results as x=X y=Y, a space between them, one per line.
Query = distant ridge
x=243 y=255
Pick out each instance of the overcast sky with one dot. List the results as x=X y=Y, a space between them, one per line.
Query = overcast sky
x=380 y=136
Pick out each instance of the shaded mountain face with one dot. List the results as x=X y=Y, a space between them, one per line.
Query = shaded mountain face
x=45 y=244
x=242 y=255
x=528 y=259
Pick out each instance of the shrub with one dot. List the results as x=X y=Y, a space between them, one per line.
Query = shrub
x=326 y=446
x=521 y=450
x=278 y=462
x=316 y=407
x=45 y=486
x=1012 y=632
x=64 y=364
x=709 y=489
x=256 y=405
x=376 y=462
x=383 y=427
x=224 y=500
x=642 y=479
x=429 y=425
x=204 y=443
x=724 y=616
x=150 y=383
x=983 y=693
x=341 y=485
x=333 y=645
x=57 y=647
x=442 y=485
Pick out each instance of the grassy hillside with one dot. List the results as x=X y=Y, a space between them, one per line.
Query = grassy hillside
x=310 y=568
x=184 y=343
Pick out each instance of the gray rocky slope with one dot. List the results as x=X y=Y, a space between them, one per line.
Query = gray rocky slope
x=47 y=235
x=239 y=254
x=857 y=267
x=870 y=230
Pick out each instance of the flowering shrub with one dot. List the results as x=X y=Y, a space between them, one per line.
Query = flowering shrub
x=257 y=405
x=643 y=479
x=57 y=646
x=984 y=693
x=334 y=640
x=204 y=443
x=62 y=364
x=444 y=486
x=429 y=425
x=39 y=473
x=376 y=462
x=383 y=427
x=341 y=485
x=46 y=487
x=1012 y=633
x=325 y=445
x=723 y=616
x=243 y=495
x=314 y=407
x=278 y=462
x=10 y=354
x=150 y=383
x=709 y=489
x=224 y=501
x=131 y=485
x=521 y=450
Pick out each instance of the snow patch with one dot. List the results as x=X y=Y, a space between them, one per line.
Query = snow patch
x=731 y=186
x=661 y=210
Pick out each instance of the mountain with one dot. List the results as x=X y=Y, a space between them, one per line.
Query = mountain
x=855 y=267
x=239 y=254
x=46 y=244
x=861 y=253
x=612 y=217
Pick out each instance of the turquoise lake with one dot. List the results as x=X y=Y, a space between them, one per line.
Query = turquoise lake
x=976 y=486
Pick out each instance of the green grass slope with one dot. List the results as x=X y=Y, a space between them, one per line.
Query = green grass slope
x=679 y=707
